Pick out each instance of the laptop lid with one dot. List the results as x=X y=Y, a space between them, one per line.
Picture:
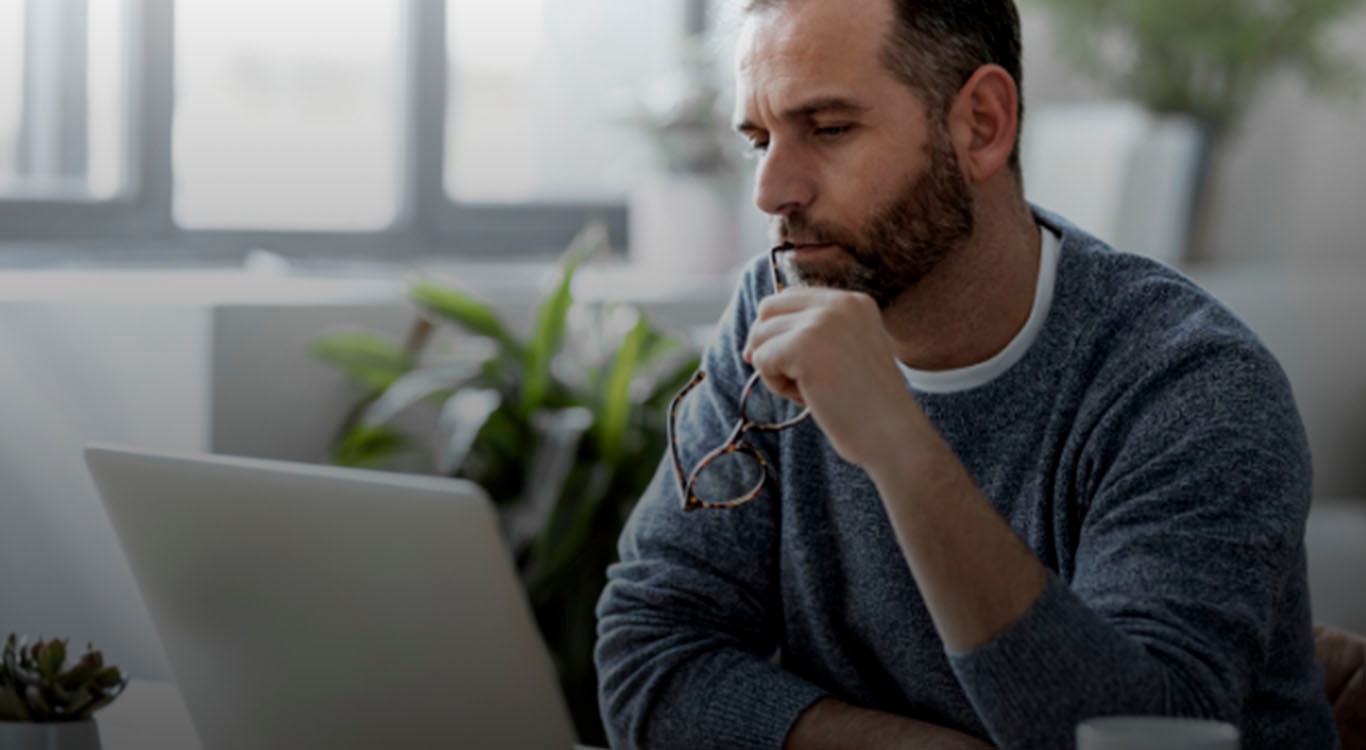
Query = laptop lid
x=305 y=606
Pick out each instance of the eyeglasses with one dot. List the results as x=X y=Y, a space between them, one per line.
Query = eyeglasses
x=734 y=473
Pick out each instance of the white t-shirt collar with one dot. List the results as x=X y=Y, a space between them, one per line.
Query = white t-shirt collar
x=975 y=376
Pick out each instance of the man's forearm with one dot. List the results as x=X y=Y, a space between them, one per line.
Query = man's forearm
x=832 y=725
x=977 y=577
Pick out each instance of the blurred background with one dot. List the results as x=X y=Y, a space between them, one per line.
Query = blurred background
x=192 y=192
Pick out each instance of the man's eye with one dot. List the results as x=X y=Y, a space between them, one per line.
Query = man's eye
x=755 y=149
x=833 y=131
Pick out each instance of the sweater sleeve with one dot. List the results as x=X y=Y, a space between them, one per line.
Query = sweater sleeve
x=690 y=619
x=1191 y=514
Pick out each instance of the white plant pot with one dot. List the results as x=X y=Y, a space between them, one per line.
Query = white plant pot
x=66 y=735
x=1118 y=171
x=684 y=225
x=1162 y=189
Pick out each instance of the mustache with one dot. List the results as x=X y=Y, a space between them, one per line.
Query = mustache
x=800 y=229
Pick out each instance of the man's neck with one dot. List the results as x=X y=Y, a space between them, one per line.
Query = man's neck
x=975 y=302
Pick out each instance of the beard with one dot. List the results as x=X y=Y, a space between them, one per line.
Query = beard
x=927 y=220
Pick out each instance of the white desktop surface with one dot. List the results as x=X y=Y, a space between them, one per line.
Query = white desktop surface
x=150 y=715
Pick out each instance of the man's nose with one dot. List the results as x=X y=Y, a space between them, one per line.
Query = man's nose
x=784 y=183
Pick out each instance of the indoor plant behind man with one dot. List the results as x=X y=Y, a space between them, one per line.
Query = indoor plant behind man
x=1039 y=480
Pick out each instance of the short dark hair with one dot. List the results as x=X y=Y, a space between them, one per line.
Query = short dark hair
x=935 y=46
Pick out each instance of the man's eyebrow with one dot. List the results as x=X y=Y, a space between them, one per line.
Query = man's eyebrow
x=823 y=105
x=808 y=109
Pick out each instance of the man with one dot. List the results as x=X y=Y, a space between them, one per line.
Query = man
x=1041 y=480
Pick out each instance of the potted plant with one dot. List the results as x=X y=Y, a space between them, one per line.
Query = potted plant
x=564 y=429
x=1201 y=64
x=46 y=704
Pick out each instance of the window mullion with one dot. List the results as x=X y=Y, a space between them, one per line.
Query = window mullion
x=695 y=17
x=151 y=92
x=424 y=116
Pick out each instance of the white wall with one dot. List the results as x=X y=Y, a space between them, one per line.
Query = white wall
x=267 y=397
x=71 y=373
x=130 y=358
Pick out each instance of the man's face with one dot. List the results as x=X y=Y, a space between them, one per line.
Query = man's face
x=851 y=169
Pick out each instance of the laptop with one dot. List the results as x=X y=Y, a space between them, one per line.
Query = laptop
x=307 y=606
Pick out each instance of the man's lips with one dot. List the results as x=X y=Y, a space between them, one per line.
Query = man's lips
x=807 y=247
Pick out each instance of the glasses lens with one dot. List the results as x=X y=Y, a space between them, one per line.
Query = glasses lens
x=768 y=409
x=729 y=477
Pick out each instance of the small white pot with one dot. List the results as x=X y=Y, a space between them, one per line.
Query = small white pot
x=65 y=735
x=683 y=225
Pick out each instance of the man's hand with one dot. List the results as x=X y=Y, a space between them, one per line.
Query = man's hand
x=1343 y=658
x=831 y=725
x=827 y=349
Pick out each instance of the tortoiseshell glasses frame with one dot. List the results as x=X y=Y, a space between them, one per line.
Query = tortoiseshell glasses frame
x=687 y=483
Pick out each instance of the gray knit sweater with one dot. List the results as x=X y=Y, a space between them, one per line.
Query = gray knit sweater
x=1148 y=450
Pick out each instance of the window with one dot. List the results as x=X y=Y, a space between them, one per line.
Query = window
x=374 y=127
x=11 y=89
x=63 y=123
x=287 y=116
x=538 y=90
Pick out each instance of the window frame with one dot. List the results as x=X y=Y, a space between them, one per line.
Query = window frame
x=139 y=221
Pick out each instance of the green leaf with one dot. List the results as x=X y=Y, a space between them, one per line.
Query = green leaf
x=416 y=386
x=563 y=537
x=95 y=705
x=13 y=657
x=38 y=705
x=463 y=417
x=51 y=658
x=504 y=433
x=657 y=345
x=11 y=707
x=551 y=318
x=467 y=312
x=550 y=326
x=77 y=702
x=615 y=408
x=369 y=360
x=498 y=459
x=80 y=674
x=369 y=447
x=109 y=678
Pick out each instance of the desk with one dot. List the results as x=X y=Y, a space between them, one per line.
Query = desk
x=151 y=716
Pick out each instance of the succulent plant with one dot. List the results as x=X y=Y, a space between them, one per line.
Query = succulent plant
x=36 y=684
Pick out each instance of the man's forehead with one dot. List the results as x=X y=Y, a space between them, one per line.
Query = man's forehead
x=799 y=50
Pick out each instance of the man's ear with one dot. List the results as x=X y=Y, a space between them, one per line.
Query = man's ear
x=983 y=122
